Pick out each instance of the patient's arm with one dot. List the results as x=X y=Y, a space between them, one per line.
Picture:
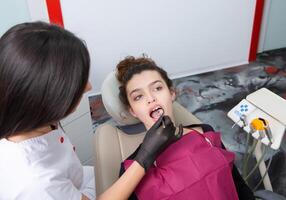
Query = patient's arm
x=125 y=185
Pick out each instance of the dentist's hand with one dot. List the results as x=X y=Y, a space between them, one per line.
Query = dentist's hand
x=157 y=139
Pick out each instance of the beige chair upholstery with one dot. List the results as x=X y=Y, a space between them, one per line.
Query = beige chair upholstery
x=111 y=145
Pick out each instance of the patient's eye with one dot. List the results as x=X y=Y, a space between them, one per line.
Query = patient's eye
x=158 y=88
x=137 y=97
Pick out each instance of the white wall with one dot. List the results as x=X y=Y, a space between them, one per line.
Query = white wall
x=183 y=36
x=273 y=29
x=13 y=12
x=38 y=10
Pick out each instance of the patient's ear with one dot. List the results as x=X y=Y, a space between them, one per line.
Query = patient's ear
x=132 y=112
x=173 y=94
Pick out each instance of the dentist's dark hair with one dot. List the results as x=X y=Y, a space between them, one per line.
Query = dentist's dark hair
x=130 y=66
x=44 y=70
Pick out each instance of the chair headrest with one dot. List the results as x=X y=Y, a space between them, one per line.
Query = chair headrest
x=110 y=98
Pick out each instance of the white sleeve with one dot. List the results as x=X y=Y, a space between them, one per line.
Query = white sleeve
x=51 y=190
x=88 y=183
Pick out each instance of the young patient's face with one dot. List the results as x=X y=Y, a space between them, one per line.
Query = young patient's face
x=149 y=97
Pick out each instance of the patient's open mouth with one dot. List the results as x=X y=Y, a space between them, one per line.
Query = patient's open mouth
x=156 y=112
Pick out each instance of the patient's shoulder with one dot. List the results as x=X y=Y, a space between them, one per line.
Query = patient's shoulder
x=197 y=129
x=200 y=128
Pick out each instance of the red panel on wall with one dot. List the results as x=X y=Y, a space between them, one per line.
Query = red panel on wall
x=55 y=12
x=256 y=29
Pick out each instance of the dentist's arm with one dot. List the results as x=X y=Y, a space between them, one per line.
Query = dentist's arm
x=125 y=185
x=157 y=139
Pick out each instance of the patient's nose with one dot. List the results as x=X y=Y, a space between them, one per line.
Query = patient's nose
x=151 y=99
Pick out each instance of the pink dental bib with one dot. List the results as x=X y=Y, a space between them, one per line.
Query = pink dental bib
x=195 y=167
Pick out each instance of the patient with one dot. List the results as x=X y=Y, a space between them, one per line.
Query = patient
x=194 y=167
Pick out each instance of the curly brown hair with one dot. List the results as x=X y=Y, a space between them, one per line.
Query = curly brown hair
x=131 y=66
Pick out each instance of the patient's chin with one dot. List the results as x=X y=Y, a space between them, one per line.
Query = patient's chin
x=148 y=125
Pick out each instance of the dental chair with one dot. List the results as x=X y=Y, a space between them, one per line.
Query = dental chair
x=113 y=144
x=116 y=140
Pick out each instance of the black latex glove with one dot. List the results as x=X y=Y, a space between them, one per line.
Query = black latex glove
x=157 y=139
